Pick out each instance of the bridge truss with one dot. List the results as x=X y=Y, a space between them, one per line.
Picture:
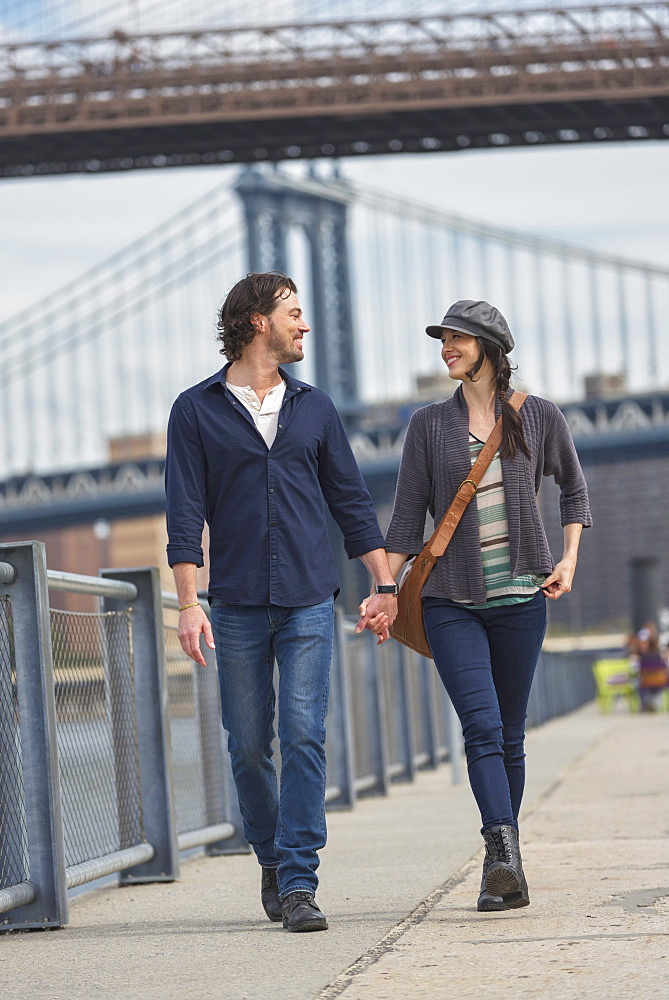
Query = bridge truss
x=416 y=83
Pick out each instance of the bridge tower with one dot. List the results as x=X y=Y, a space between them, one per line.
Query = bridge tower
x=272 y=205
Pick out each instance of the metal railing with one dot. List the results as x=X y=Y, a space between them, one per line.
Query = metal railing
x=562 y=682
x=399 y=718
x=113 y=757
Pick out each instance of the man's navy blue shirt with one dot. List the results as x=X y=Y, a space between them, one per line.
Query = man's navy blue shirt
x=265 y=507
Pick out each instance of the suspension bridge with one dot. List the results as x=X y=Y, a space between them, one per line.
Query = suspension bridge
x=104 y=357
x=423 y=82
x=87 y=375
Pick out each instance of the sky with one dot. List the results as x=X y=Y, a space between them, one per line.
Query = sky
x=28 y=19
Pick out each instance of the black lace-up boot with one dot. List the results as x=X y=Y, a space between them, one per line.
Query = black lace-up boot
x=487 y=902
x=505 y=876
x=269 y=894
x=300 y=912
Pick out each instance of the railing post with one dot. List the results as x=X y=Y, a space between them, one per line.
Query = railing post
x=376 y=703
x=153 y=732
x=13 y=856
x=404 y=710
x=39 y=752
x=339 y=719
x=428 y=675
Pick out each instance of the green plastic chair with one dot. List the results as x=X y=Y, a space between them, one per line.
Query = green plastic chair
x=615 y=678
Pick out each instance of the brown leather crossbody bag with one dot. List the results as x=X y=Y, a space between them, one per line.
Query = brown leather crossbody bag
x=408 y=627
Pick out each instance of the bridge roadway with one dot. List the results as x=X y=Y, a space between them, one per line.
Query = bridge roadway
x=399 y=882
x=415 y=84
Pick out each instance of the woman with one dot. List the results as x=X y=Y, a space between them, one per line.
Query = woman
x=484 y=603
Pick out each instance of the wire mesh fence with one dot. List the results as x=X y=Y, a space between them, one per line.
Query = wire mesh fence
x=97 y=733
x=122 y=733
x=14 y=865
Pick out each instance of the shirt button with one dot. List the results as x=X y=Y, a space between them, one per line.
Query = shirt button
x=280 y=426
x=271 y=491
x=273 y=524
x=273 y=557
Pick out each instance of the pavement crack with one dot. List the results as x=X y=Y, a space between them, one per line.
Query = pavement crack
x=345 y=978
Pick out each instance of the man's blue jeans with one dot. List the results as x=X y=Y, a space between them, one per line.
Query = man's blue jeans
x=285 y=831
x=486 y=660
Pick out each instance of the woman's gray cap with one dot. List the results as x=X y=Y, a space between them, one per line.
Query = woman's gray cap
x=478 y=319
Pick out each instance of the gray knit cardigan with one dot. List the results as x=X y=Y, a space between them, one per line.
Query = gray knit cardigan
x=436 y=459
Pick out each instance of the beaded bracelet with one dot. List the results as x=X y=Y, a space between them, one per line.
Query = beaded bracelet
x=195 y=605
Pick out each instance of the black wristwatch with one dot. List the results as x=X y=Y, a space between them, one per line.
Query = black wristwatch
x=387 y=588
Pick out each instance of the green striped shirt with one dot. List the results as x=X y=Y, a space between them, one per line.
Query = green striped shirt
x=501 y=587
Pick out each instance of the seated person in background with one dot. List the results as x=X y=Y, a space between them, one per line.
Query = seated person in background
x=653 y=673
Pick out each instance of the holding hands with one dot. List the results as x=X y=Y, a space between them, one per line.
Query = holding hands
x=377 y=613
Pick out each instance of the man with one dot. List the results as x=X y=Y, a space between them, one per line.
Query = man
x=257 y=455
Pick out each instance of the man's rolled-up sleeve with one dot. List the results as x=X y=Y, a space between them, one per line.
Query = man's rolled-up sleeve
x=185 y=486
x=345 y=491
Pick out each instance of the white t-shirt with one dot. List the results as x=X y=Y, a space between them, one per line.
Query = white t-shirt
x=266 y=414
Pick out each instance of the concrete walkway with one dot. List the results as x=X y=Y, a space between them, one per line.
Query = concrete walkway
x=399 y=884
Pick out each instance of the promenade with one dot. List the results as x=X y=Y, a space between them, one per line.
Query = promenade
x=400 y=879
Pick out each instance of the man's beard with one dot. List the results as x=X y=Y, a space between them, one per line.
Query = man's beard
x=282 y=347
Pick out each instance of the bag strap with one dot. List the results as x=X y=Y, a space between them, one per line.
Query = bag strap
x=467 y=489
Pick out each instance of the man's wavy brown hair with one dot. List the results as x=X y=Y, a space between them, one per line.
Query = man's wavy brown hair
x=256 y=293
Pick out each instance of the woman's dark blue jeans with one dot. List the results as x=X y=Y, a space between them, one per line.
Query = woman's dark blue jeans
x=486 y=660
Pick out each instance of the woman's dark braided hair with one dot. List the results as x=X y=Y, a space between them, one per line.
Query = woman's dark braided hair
x=513 y=439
